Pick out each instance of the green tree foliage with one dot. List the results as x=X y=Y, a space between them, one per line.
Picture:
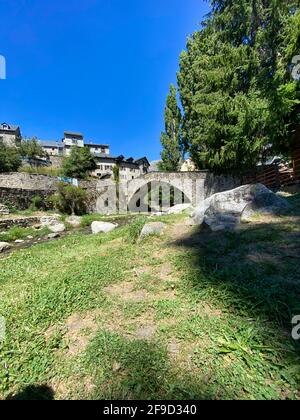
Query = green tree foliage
x=116 y=173
x=171 y=137
x=31 y=149
x=10 y=160
x=79 y=163
x=69 y=199
x=235 y=85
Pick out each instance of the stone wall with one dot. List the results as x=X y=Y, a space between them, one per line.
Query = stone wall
x=9 y=139
x=18 y=189
x=24 y=181
x=21 y=199
x=22 y=222
x=56 y=161
x=215 y=184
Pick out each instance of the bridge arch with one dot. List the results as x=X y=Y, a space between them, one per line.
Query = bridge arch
x=156 y=196
x=191 y=184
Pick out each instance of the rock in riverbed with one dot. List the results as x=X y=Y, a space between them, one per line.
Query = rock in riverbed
x=4 y=246
x=57 y=228
x=74 y=221
x=103 y=227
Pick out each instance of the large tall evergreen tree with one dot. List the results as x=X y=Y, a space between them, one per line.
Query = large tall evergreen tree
x=171 y=137
x=236 y=100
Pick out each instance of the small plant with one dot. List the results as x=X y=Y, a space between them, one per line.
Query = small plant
x=42 y=170
x=69 y=199
x=135 y=228
x=18 y=232
x=37 y=203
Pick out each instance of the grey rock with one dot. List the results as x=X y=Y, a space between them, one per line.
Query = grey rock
x=154 y=228
x=57 y=228
x=4 y=209
x=29 y=237
x=179 y=208
x=50 y=220
x=19 y=241
x=103 y=227
x=220 y=223
x=74 y=221
x=53 y=236
x=241 y=203
x=4 y=246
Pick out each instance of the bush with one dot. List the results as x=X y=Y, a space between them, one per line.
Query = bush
x=42 y=170
x=69 y=199
x=10 y=159
x=37 y=203
x=18 y=232
x=135 y=228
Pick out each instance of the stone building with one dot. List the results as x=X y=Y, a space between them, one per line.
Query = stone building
x=56 y=150
x=188 y=166
x=129 y=168
x=10 y=134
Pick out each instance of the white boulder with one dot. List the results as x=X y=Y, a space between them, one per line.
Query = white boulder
x=103 y=227
x=4 y=246
x=50 y=220
x=4 y=210
x=57 y=228
x=154 y=228
x=74 y=221
x=240 y=203
x=179 y=208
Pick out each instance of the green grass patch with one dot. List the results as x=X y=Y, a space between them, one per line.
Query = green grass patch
x=17 y=232
x=218 y=308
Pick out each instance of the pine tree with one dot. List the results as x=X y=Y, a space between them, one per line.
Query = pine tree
x=230 y=86
x=171 y=137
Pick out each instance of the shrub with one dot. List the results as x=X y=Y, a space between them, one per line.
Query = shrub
x=42 y=170
x=10 y=159
x=69 y=199
x=135 y=228
x=37 y=203
x=18 y=232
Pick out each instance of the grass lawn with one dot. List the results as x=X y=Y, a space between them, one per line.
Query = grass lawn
x=187 y=315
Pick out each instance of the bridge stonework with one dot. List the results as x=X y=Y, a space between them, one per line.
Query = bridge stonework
x=192 y=184
x=196 y=186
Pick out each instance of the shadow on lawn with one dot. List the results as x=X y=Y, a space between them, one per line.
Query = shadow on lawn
x=34 y=393
x=258 y=268
x=141 y=370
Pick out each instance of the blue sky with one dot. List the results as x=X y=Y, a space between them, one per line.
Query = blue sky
x=101 y=67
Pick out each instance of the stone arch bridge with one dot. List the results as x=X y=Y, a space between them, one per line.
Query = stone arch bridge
x=194 y=187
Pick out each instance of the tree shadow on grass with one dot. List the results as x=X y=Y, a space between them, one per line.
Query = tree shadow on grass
x=139 y=370
x=34 y=393
x=254 y=270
